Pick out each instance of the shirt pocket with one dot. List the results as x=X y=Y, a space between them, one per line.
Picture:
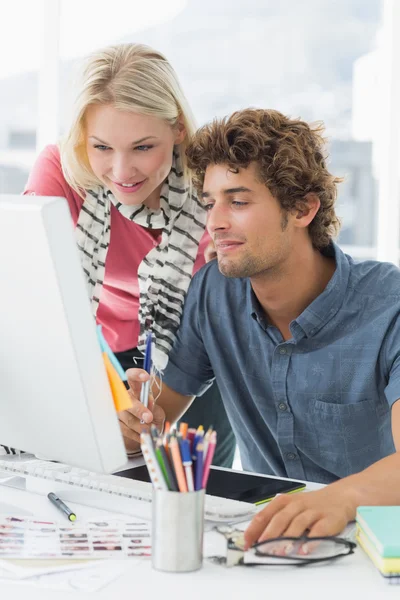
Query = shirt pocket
x=349 y=435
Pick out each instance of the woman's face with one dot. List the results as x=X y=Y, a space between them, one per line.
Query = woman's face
x=130 y=153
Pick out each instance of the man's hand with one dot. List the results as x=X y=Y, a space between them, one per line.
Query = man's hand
x=130 y=420
x=319 y=513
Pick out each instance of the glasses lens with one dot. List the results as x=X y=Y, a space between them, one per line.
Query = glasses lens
x=292 y=549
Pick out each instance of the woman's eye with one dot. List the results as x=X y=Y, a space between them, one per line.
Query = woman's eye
x=208 y=207
x=143 y=148
x=101 y=147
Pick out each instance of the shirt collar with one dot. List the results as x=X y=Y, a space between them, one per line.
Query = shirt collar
x=325 y=306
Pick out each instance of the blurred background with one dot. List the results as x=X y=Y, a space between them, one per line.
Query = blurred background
x=331 y=60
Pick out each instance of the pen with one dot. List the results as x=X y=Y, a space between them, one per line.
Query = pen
x=144 y=393
x=199 y=466
x=187 y=464
x=58 y=503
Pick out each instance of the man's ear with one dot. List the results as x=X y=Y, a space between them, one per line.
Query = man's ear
x=306 y=210
x=180 y=130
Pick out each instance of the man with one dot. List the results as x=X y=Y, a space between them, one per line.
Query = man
x=303 y=342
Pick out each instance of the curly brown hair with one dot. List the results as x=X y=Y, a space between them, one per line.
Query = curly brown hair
x=289 y=156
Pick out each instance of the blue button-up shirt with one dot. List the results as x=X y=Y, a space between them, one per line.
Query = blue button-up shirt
x=316 y=407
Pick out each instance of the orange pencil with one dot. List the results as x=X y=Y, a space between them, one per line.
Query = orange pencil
x=178 y=466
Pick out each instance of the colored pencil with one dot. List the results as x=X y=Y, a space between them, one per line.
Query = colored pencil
x=178 y=466
x=153 y=466
x=208 y=458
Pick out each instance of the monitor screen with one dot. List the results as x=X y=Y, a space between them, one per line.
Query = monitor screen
x=55 y=399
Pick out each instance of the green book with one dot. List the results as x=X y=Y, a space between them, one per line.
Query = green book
x=382 y=526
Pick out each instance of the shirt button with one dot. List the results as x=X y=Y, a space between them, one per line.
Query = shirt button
x=282 y=351
x=282 y=406
x=290 y=456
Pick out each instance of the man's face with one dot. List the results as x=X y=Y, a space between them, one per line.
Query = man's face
x=251 y=233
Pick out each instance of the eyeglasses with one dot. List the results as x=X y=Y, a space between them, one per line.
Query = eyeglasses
x=284 y=551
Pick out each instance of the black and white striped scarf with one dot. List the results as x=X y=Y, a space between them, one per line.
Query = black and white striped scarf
x=165 y=273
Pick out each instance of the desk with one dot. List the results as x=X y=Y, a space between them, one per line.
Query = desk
x=353 y=577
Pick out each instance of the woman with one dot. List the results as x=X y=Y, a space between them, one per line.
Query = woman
x=140 y=230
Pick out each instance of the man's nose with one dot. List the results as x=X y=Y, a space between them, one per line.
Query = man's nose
x=217 y=218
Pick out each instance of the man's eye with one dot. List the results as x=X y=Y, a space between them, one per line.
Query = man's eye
x=101 y=147
x=143 y=148
x=238 y=203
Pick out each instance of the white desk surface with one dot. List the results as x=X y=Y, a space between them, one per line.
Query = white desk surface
x=352 y=577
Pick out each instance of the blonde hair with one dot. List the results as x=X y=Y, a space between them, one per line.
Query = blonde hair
x=130 y=77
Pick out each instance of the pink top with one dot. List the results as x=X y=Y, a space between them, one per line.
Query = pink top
x=129 y=244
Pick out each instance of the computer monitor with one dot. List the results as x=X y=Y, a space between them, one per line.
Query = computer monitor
x=55 y=399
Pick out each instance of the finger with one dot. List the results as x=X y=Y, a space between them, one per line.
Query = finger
x=135 y=379
x=332 y=524
x=278 y=525
x=132 y=423
x=139 y=411
x=131 y=438
x=301 y=523
x=129 y=432
x=262 y=519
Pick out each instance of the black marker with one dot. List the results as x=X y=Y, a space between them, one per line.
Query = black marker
x=61 y=506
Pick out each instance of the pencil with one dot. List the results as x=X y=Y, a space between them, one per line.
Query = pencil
x=173 y=484
x=161 y=462
x=149 y=455
x=177 y=462
x=207 y=440
x=208 y=458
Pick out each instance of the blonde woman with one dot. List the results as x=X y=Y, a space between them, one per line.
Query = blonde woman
x=140 y=229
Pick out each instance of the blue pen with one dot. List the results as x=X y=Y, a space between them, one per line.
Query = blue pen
x=199 y=466
x=145 y=391
x=184 y=446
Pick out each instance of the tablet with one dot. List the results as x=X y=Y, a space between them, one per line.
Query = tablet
x=237 y=485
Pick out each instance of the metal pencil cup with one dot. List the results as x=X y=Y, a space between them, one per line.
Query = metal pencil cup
x=177 y=530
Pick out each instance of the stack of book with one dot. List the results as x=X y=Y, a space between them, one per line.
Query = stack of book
x=378 y=534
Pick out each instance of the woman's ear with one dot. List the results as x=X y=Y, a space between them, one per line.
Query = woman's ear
x=180 y=130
